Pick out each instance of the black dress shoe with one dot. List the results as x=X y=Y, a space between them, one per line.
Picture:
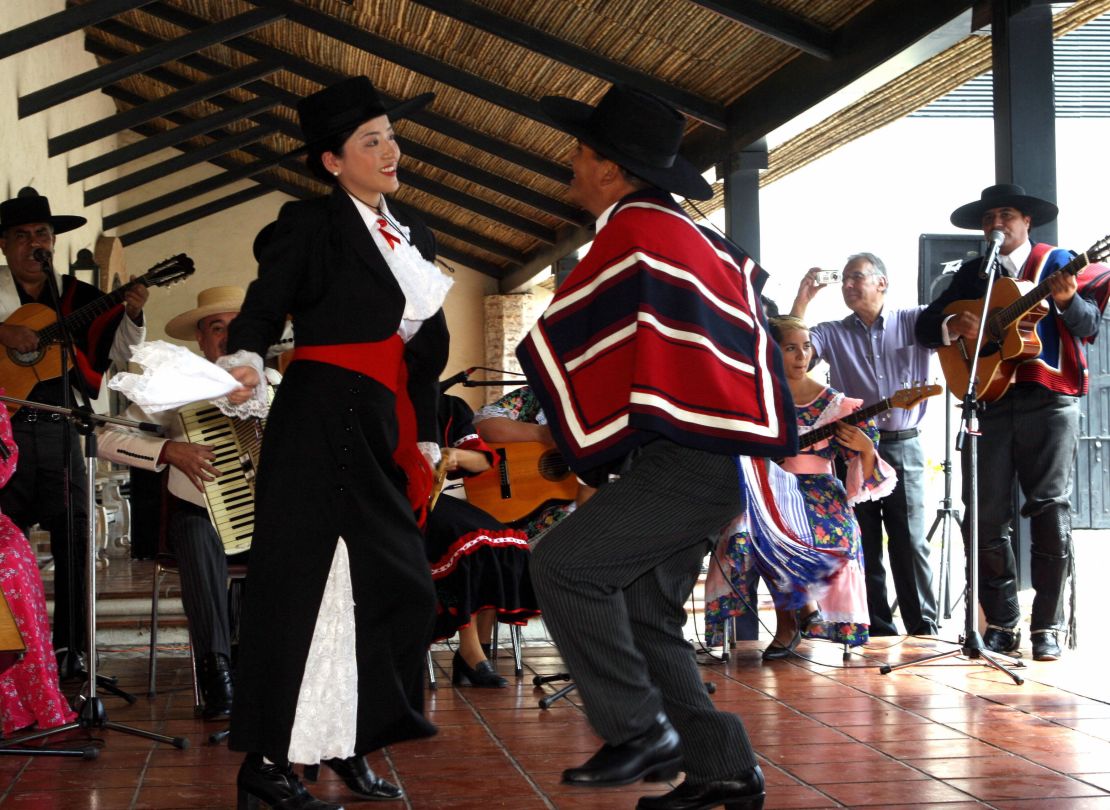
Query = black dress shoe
x=744 y=792
x=1046 y=645
x=1000 y=640
x=653 y=755
x=483 y=675
x=215 y=686
x=774 y=652
x=276 y=785
x=358 y=778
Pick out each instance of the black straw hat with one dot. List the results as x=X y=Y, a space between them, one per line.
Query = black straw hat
x=636 y=131
x=346 y=104
x=1004 y=195
x=29 y=206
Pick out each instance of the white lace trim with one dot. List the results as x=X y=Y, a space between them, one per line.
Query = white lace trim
x=172 y=377
x=259 y=404
x=423 y=284
x=326 y=720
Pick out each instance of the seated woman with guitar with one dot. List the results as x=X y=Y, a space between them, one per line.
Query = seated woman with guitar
x=29 y=693
x=843 y=615
x=479 y=566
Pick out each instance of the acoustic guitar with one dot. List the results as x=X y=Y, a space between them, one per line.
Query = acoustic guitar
x=906 y=398
x=1010 y=335
x=525 y=477
x=22 y=371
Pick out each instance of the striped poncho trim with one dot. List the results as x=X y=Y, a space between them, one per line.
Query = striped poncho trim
x=658 y=331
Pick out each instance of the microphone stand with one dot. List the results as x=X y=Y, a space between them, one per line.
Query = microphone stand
x=70 y=664
x=967 y=443
x=91 y=714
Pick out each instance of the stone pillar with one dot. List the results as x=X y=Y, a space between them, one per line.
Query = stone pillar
x=508 y=319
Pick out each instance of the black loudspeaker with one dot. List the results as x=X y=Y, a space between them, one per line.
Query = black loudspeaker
x=940 y=255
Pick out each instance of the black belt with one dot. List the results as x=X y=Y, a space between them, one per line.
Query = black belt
x=32 y=415
x=898 y=435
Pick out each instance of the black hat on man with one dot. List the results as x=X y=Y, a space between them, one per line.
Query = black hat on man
x=1004 y=195
x=342 y=107
x=636 y=131
x=29 y=206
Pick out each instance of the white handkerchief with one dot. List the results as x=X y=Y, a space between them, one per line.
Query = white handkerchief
x=172 y=377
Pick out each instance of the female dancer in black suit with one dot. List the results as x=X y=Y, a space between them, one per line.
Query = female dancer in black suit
x=340 y=604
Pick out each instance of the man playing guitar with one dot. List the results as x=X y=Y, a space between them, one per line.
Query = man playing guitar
x=1031 y=431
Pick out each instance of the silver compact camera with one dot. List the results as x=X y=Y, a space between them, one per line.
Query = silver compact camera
x=827 y=277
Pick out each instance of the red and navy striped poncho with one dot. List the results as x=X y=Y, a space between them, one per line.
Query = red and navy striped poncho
x=659 y=332
x=1062 y=364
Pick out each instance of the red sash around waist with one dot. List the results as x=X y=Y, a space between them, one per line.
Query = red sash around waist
x=384 y=362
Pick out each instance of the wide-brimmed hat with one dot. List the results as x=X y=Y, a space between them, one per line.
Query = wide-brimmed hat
x=346 y=104
x=209 y=302
x=636 y=131
x=29 y=206
x=1004 y=195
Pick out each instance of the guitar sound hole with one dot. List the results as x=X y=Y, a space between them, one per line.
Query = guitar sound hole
x=553 y=467
x=24 y=358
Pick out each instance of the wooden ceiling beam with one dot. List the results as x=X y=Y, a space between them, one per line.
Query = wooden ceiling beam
x=383 y=48
x=425 y=117
x=784 y=26
x=168 y=138
x=104 y=75
x=159 y=107
x=193 y=214
x=61 y=23
x=430 y=156
x=583 y=59
x=216 y=148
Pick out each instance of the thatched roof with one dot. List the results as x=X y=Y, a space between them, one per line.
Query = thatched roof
x=218 y=80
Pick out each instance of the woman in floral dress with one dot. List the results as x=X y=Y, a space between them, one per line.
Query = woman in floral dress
x=842 y=616
x=29 y=693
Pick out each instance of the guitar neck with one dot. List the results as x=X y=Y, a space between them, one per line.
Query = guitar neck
x=1006 y=316
x=826 y=431
x=80 y=318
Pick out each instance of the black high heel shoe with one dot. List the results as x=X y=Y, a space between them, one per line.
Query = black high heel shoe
x=774 y=652
x=482 y=675
x=276 y=785
x=358 y=778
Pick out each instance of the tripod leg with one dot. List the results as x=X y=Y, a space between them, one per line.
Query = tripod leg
x=176 y=742
x=990 y=659
x=566 y=690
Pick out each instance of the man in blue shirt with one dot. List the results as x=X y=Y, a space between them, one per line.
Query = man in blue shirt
x=871 y=354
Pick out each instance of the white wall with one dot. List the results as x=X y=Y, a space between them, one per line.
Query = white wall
x=23 y=159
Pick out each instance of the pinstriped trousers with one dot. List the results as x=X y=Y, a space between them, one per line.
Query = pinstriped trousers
x=203 y=563
x=612 y=579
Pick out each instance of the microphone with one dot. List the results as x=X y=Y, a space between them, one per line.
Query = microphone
x=996 y=239
x=461 y=377
x=43 y=257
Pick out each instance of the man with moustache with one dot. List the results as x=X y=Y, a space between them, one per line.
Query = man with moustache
x=36 y=492
x=1031 y=432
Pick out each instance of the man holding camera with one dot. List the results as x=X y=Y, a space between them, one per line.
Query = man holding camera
x=871 y=354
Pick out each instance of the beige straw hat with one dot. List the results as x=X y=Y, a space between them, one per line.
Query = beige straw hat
x=209 y=302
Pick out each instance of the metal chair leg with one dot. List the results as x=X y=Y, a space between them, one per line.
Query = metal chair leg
x=518 y=662
x=152 y=669
x=431 y=671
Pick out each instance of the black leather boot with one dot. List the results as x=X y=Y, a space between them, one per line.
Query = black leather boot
x=276 y=785
x=215 y=686
x=1050 y=532
x=655 y=756
x=998 y=582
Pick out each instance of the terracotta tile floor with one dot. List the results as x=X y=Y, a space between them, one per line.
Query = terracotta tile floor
x=829 y=733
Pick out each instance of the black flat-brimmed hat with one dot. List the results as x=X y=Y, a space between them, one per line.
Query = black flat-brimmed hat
x=1004 y=195
x=346 y=104
x=29 y=206
x=636 y=131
